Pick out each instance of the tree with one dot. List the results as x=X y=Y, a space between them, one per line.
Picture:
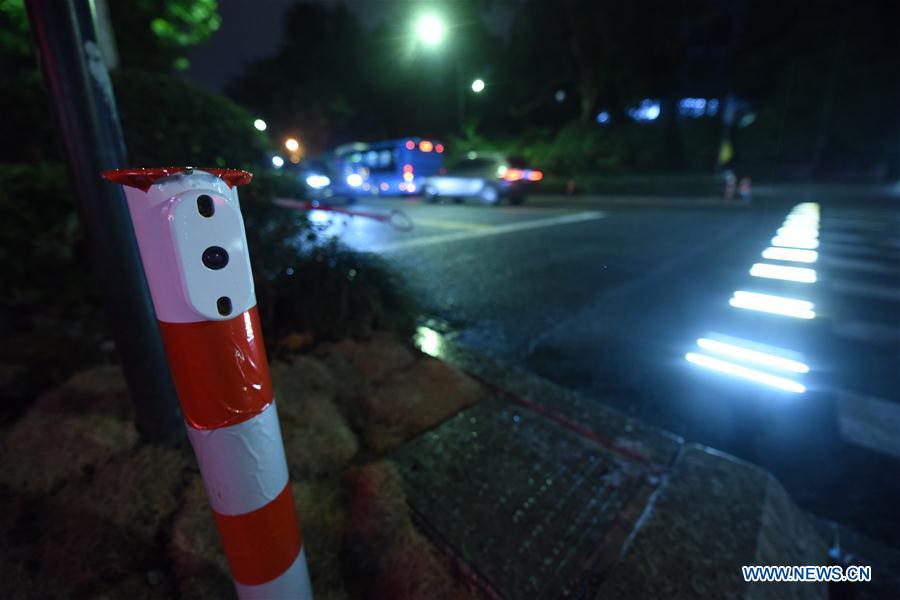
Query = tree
x=156 y=35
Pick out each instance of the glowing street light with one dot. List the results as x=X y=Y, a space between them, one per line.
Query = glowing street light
x=478 y=86
x=430 y=29
x=260 y=124
x=292 y=144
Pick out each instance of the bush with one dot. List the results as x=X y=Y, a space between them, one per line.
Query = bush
x=167 y=121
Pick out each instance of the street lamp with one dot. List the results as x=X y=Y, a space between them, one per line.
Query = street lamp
x=292 y=144
x=478 y=86
x=430 y=29
x=260 y=124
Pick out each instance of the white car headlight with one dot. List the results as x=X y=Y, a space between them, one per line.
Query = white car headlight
x=317 y=182
x=354 y=180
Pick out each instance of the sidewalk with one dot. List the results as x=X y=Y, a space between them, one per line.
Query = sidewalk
x=415 y=478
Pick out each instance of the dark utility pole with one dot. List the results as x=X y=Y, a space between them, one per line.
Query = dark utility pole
x=82 y=100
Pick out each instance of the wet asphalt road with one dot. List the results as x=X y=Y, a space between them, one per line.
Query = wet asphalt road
x=607 y=299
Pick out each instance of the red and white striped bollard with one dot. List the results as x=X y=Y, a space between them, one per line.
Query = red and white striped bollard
x=193 y=246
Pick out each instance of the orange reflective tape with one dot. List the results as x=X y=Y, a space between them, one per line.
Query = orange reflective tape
x=220 y=369
x=262 y=544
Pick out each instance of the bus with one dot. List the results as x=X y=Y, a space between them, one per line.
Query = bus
x=388 y=168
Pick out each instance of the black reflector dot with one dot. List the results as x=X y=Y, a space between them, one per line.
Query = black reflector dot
x=224 y=306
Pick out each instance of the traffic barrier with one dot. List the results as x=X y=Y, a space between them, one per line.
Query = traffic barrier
x=193 y=245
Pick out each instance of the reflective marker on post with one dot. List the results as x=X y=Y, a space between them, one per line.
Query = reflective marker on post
x=194 y=249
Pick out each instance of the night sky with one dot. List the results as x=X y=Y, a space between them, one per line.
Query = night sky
x=251 y=29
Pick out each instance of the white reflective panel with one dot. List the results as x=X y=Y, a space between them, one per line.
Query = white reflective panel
x=798 y=274
x=791 y=254
x=798 y=231
x=723 y=366
x=780 y=305
x=742 y=352
x=795 y=241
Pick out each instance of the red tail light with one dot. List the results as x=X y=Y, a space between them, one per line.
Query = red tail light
x=407 y=168
x=535 y=175
x=426 y=146
x=439 y=148
x=514 y=174
x=410 y=144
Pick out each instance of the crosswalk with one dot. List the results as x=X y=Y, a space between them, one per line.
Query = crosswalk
x=860 y=265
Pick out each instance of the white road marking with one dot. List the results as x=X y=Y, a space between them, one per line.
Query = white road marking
x=859 y=224
x=844 y=238
x=447 y=224
x=856 y=264
x=864 y=331
x=868 y=290
x=869 y=422
x=866 y=250
x=490 y=231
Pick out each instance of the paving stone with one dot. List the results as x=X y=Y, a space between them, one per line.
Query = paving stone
x=536 y=509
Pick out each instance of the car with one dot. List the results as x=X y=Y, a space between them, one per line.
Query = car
x=324 y=179
x=489 y=176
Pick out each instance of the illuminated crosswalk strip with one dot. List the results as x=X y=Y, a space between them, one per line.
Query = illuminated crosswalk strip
x=769 y=271
x=742 y=352
x=730 y=368
x=780 y=305
x=791 y=255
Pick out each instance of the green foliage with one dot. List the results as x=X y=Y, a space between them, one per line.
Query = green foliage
x=169 y=122
x=42 y=255
x=157 y=34
x=13 y=29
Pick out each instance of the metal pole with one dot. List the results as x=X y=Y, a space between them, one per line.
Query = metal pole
x=85 y=111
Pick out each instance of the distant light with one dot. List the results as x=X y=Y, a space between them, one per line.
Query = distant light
x=407 y=168
x=438 y=148
x=795 y=241
x=408 y=176
x=429 y=341
x=383 y=186
x=367 y=186
x=260 y=124
x=292 y=144
x=478 y=86
x=501 y=170
x=560 y=96
x=712 y=107
x=791 y=254
x=514 y=174
x=779 y=305
x=430 y=30
x=692 y=107
x=317 y=182
x=603 y=117
x=426 y=146
x=730 y=368
x=277 y=162
x=754 y=356
x=402 y=186
x=411 y=187
x=318 y=216
x=410 y=144
x=354 y=180
x=471 y=155
x=647 y=110
x=798 y=274
x=535 y=175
